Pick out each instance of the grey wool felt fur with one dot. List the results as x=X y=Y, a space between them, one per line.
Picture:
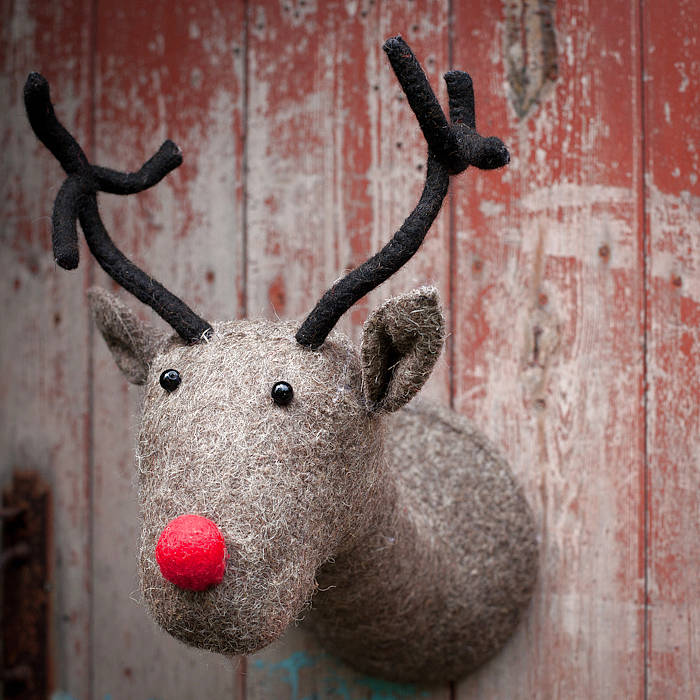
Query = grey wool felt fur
x=401 y=342
x=397 y=533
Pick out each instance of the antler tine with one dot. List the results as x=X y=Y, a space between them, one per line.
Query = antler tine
x=422 y=101
x=37 y=101
x=77 y=200
x=485 y=153
x=452 y=147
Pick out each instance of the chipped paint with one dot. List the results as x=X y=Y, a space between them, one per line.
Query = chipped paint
x=675 y=220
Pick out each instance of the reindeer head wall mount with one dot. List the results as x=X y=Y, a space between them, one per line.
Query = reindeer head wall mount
x=273 y=483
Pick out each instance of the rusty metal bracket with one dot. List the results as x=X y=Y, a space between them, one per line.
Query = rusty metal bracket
x=25 y=568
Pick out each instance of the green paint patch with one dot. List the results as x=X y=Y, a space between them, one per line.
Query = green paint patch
x=61 y=695
x=385 y=690
x=290 y=669
x=379 y=689
x=332 y=680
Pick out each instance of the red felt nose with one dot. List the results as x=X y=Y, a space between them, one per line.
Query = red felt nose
x=191 y=553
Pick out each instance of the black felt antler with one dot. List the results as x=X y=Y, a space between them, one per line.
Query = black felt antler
x=77 y=201
x=452 y=147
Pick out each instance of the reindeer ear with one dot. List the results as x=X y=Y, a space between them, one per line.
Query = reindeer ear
x=401 y=343
x=132 y=342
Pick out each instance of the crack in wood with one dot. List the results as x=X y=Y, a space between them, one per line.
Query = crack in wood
x=530 y=52
x=541 y=346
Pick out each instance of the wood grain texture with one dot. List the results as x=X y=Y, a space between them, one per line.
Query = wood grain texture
x=672 y=126
x=549 y=342
x=45 y=333
x=162 y=72
x=301 y=160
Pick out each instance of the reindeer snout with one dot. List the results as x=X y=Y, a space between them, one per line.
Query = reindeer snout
x=191 y=553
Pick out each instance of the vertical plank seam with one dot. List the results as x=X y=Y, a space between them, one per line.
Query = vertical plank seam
x=90 y=418
x=452 y=237
x=642 y=209
x=240 y=691
x=244 y=164
x=451 y=274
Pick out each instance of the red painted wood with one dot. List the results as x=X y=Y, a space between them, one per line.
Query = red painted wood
x=548 y=333
x=44 y=349
x=164 y=71
x=671 y=60
x=333 y=170
x=335 y=160
x=309 y=150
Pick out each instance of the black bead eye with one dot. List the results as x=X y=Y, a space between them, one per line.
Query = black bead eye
x=170 y=379
x=282 y=393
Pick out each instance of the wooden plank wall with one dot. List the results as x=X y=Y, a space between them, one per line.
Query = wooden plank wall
x=672 y=222
x=46 y=347
x=571 y=280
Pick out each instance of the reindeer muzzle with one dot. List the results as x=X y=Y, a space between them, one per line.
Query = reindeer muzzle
x=191 y=553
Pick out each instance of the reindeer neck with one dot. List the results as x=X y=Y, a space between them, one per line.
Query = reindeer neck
x=391 y=561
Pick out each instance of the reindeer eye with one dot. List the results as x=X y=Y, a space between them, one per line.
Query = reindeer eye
x=282 y=393
x=170 y=379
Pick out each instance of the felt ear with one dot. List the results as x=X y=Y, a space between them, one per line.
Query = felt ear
x=401 y=343
x=132 y=342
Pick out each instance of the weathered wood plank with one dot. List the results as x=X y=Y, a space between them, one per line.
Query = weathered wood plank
x=164 y=71
x=336 y=163
x=44 y=348
x=547 y=248
x=549 y=331
x=672 y=129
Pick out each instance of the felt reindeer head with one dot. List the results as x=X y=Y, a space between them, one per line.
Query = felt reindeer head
x=261 y=448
